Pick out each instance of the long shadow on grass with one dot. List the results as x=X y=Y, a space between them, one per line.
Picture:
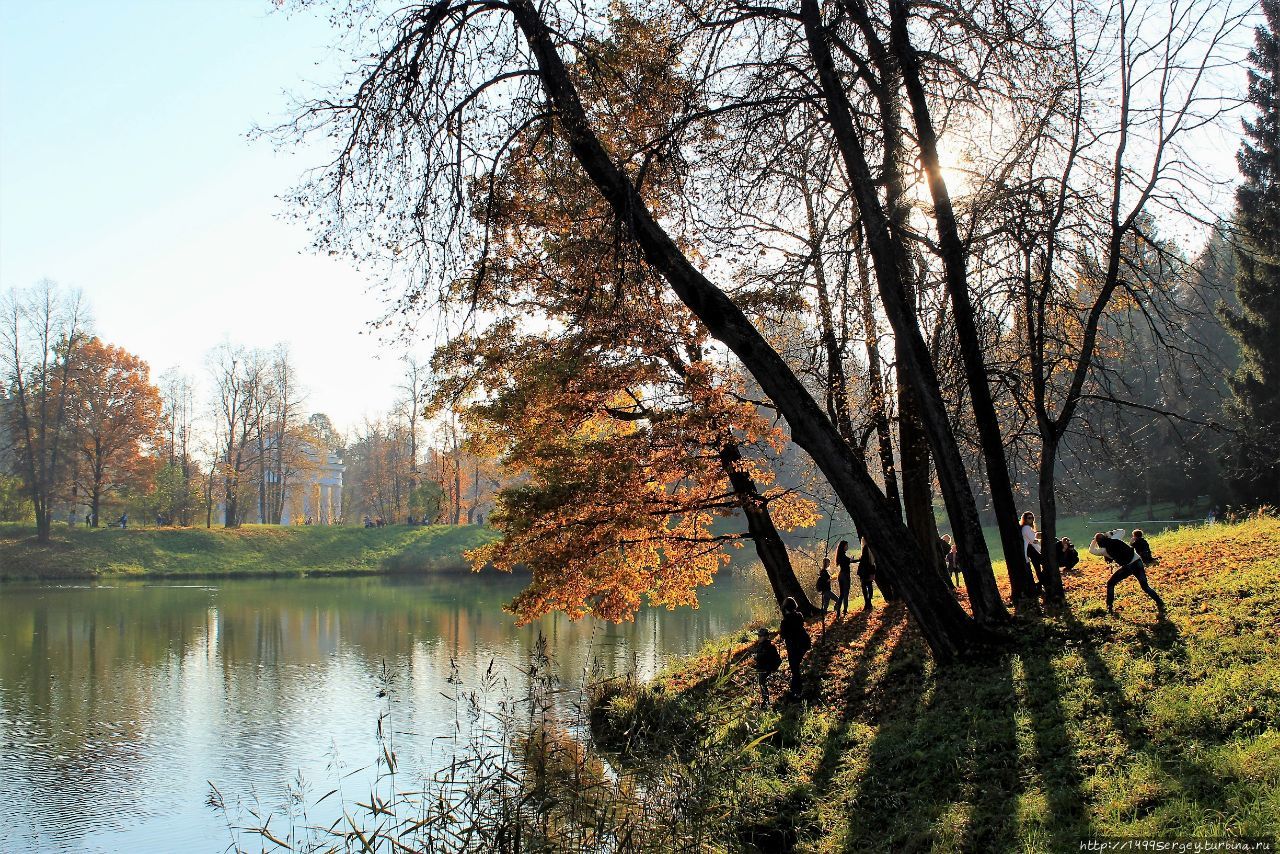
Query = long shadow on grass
x=1055 y=758
x=942 y=768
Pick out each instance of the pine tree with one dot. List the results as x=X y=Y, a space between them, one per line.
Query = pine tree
x=1254 y=464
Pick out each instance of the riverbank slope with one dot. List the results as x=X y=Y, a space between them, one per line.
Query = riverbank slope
x=253 y=550
x=1090 y=726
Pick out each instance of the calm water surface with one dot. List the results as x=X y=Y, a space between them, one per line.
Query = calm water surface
x=120 y=703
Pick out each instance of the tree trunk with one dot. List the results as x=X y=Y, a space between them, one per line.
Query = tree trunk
x=1050 y=572
x=952 y=252
x=885 y=248
x=880 y=394
x=946 y=628
x=769 y=546
x=917 y=487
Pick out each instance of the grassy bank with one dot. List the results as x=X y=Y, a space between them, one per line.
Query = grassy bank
x=1090 y=726
x=251 y=550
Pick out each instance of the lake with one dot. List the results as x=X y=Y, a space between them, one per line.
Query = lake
x=121 y=702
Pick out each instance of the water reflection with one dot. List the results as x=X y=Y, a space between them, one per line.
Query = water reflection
x=119 y=703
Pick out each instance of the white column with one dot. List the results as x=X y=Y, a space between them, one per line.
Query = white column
x=323 y=518
x=337 y=503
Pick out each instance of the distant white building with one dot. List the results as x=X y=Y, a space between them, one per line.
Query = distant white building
x=314 y=494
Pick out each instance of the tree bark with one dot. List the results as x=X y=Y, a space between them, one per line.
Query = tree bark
x=1050 y=572
x=946 y=628
x=953 y=260
x=880 y=393
x=984 y=595
x=764 y=534
x=917 y=488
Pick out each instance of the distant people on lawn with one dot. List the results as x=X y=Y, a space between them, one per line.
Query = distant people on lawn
x=844 y=577
x=1130 y=564
x=767 y=661
x=124 y=521
x=796 y=639
x=866 y=573
x=824 y=585
x=1031 y=543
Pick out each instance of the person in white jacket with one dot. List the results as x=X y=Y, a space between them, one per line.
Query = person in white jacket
x=1031 y=543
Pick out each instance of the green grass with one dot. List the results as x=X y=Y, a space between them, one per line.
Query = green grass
x=250 y=550
x=1089 y=726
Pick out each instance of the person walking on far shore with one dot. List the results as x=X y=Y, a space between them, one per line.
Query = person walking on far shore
x=844 y=578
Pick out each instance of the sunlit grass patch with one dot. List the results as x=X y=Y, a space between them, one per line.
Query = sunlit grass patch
x=1091 y=725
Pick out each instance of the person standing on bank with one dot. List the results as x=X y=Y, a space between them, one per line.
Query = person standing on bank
x=767 y=661
x=796 y=638
x=1130 y=564
x=866 y=574
x=953 y=562
x=1031 y=543
x=824 y=585
x=844 y=577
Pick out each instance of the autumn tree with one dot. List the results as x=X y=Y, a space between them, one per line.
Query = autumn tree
x=623 y=364
x=41 y=331
x=1255 y=459
x=433 y=104
x=115 y=419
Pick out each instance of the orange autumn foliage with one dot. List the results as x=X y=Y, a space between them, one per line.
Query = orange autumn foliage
x=115 y=416
x=593 y=385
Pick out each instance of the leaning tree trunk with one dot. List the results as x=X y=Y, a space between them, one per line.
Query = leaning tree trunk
x=946 y=628
x=769 y=546
x=917 y=490
x=952 y=253
x=984 y=595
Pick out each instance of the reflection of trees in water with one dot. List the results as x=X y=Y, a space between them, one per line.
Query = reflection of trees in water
x=99 y=685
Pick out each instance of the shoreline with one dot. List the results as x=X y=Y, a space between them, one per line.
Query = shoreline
x=252 y=551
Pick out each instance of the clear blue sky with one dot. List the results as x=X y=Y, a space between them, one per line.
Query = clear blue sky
x=125 y=171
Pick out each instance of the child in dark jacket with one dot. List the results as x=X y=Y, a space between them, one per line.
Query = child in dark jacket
x=767 y=662
x=1142 y=547
x=824 y=585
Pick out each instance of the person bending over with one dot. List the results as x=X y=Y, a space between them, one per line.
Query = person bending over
x=1130 y=564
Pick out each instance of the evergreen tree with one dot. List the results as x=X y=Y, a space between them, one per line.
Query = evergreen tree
x=1255 y=459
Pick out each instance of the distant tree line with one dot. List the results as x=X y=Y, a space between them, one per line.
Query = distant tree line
x=87 y=437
